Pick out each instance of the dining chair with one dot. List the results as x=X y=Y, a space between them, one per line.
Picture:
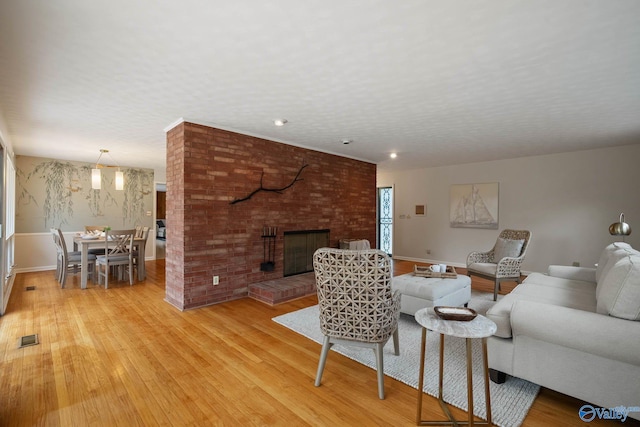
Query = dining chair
x=91 y=228
x=141 y=232
x=118 y=252
x=68 y=261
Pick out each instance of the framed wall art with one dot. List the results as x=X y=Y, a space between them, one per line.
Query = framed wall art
x=474 y=205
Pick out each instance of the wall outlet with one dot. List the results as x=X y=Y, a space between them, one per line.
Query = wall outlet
x=216 y=280
x=576 y=264
x=428 y=251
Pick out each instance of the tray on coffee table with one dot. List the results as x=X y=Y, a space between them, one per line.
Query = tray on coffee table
x=463 y=314
x=424 y=271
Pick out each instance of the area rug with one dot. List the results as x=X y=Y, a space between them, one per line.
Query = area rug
x=510 y=401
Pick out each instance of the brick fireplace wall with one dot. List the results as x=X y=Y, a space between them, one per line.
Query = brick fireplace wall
x=207 y=236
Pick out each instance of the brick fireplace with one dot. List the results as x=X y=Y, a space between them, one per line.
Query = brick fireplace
x=208 y=236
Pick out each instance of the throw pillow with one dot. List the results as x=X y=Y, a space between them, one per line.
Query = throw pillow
x=606 y=253
x=614 y=257
x=620 y=293
x=507 y=248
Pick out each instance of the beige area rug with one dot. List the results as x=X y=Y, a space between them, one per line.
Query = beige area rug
x=510 y=401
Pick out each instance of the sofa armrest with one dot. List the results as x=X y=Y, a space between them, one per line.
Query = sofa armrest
x=593 y=333
x=573 y=273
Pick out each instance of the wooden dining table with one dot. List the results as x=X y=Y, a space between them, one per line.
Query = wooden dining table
x=85 y=244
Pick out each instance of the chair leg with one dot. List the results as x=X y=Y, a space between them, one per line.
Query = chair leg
x=396 y=343
x=106 y=276
x=63 y=275
x=495 y=290
x=323 y=359
x=380 y=369
x=59 y=271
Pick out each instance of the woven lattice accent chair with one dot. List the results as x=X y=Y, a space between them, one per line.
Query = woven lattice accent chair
x=502 y=263
x=356 y=302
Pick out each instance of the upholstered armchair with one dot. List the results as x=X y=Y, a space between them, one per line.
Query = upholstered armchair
x=502 y=263
x=356 y=302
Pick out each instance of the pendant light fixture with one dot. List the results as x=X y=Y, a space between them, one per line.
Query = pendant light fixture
x=96 y=174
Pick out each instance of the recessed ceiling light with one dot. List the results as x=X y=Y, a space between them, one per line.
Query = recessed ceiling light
x=279 y=122
x=347 y=141
x=393 y=155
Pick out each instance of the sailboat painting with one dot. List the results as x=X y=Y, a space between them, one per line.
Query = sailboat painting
x=474 y=205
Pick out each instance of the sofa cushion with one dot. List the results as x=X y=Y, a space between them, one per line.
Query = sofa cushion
x=584 y=274
x=507 y=248
x=488 y=268
x=572 y=294
x=560 y=282
x=619 y=295
x=575 y=294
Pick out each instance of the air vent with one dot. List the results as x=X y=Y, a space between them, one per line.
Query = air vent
x=30 y=288
x=28 y=340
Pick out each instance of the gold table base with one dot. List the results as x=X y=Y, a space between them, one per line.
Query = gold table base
x=451 y=420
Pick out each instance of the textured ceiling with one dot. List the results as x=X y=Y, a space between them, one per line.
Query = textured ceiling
x=439 y=82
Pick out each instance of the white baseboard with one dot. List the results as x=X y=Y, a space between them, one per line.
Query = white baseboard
x=35 y=269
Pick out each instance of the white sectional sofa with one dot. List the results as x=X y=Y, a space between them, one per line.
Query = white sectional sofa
x=575 y=330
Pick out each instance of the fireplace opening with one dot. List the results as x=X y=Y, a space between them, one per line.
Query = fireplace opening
x=299 y=247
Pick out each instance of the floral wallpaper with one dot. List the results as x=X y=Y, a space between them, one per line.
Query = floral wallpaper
x=57 y=193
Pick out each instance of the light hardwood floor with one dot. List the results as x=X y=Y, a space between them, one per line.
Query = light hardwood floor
x=123 y=356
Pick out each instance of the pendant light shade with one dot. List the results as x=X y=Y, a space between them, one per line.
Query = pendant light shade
x=119 y=180
x=96 y=174
x=96 y=179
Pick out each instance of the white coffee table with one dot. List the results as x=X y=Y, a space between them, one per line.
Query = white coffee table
x=480 y=327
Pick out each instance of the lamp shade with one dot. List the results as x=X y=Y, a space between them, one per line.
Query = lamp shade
x=620 y=228
x=96 y=179
x=119 y=180
x=96 y=175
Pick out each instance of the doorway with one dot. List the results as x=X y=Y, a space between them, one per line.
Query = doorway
x=385 y=219
x=161 y=215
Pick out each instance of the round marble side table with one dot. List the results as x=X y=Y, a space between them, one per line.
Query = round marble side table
x=480 y=327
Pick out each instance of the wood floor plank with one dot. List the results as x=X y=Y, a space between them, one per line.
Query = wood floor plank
x=123 y=356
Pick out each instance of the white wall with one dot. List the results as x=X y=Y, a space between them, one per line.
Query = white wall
x=566 y=200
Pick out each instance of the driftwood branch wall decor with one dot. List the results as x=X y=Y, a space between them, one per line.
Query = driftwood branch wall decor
x=274 y=190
